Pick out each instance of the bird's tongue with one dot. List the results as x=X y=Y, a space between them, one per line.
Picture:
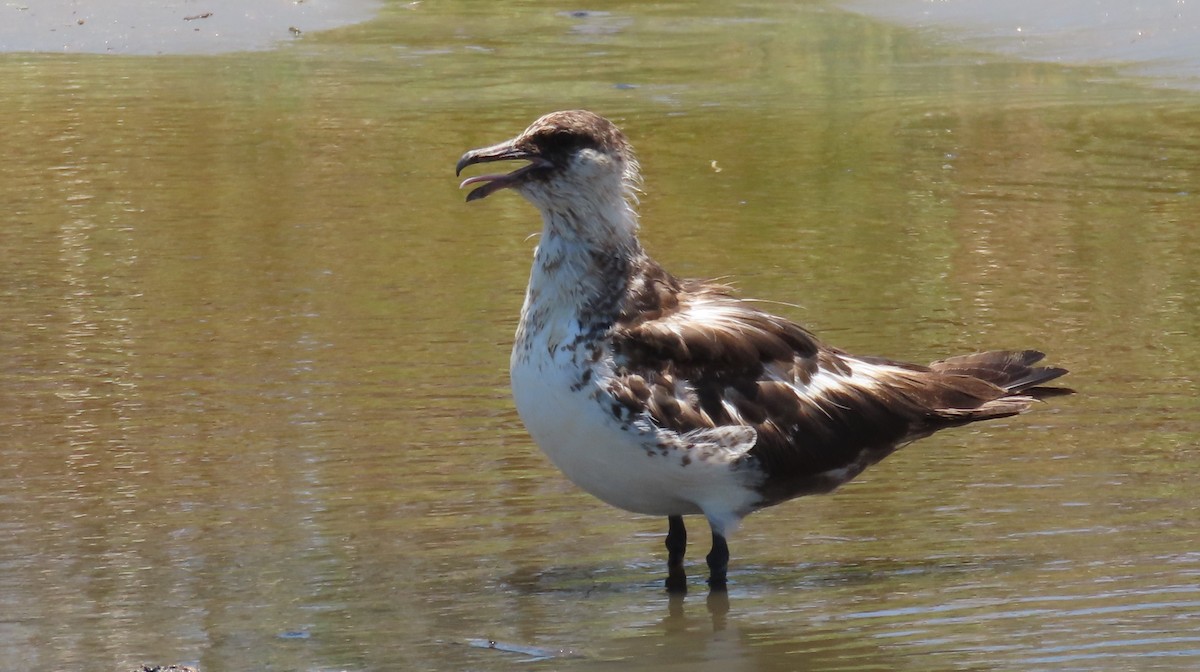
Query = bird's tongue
x=482 y=178
x=494 y=182
x=491 y=183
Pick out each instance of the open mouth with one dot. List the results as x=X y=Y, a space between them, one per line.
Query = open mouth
x=493 y=182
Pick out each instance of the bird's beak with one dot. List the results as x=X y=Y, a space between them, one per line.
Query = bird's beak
x=505 y=151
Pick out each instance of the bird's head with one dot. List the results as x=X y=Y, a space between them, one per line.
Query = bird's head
x=578 y=161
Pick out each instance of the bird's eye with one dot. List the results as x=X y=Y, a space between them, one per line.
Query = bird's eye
x=563 y=141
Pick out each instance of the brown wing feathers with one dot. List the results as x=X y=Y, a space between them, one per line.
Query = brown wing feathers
x=694 y=358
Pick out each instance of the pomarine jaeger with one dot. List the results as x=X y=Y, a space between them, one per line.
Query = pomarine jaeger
x=669 y=397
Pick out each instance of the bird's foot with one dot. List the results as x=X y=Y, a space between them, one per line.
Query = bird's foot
x=718 y=563
x=676 y=581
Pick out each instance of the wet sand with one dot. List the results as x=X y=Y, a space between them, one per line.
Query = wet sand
x=169 y=26
x=1156 y=38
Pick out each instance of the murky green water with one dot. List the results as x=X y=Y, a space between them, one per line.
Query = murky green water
x=254 y=384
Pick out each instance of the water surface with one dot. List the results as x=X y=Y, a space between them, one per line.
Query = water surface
x=123 y=27
x=254 y=392
x=1153 y=38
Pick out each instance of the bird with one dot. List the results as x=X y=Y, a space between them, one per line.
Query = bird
x=673 y=397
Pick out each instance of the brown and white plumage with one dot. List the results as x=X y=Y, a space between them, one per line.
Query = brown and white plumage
x=671 y=397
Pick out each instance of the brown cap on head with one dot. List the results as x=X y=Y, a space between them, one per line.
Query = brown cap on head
x=547 y=144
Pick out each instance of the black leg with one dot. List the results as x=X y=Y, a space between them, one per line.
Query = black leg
x=718 y=562
x=676 y=547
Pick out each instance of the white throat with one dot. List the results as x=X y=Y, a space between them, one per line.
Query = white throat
x=582 y=261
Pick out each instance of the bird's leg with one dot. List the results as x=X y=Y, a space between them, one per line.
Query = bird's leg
x=718 y=562
x=676 y=546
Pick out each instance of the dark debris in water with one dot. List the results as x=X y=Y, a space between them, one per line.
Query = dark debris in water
x=595 y=24
x=165 y=668
x=535 y=653
x=583 y=14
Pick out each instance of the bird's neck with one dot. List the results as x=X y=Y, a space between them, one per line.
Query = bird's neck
x=582 y=267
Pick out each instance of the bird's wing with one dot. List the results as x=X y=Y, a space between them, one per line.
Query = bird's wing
x=820 y=415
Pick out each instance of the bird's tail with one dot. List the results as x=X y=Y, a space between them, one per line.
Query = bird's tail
x=1010 y=370
x=987 y=385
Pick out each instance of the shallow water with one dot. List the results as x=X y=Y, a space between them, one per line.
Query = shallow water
x=254 y=392
x=1156 y=39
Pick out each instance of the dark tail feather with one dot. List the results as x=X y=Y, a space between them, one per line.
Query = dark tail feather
x=1010 y=370
x=1040 y=393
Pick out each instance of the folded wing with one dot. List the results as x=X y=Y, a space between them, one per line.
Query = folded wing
x=694 y=358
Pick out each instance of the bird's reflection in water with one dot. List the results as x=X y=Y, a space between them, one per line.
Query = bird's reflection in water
x=713 y=633
x=718 y=604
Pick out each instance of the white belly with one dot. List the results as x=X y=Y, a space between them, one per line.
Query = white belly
x=620 y=465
